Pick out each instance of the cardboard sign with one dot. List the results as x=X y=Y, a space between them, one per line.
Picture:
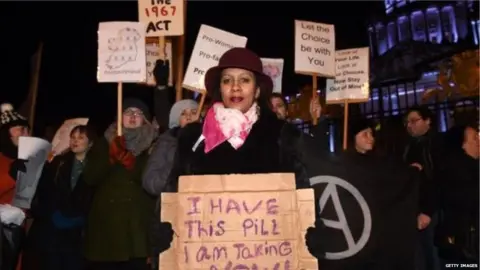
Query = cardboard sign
x=161 y=17
x=351 y=82
x=153 y=54
x=121 y=52
x=210 y=45
x=35 y=151
x=238 y=222
x=274 y=69
x=315 y=48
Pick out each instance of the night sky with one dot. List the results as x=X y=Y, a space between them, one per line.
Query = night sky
x=68 y=86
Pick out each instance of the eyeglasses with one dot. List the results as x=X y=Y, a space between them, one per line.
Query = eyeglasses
x=412 y=121
x=133 y=113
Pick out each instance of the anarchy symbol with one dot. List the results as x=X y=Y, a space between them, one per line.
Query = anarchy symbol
x=342 y=224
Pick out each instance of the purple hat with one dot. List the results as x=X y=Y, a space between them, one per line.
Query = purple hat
x=238 y=58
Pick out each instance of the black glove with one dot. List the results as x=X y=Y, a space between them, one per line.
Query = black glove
x=313 y=240
x=161 y=72
x=166 y=236
x=17 y=166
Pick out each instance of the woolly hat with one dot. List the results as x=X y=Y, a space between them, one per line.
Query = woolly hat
x=359 y=125
x=178 y=108
x=137 y=103
x=10 y=118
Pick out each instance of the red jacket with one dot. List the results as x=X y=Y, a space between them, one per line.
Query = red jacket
x=7 y=183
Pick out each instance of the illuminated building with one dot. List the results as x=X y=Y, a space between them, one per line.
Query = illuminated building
x=407 y=45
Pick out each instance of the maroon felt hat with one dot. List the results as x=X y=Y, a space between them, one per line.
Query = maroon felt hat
x=238 y=58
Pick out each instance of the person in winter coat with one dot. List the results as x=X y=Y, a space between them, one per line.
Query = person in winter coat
x=60 y=207
x=240 y=134
x=119 y=218
x=425 y=149
x=12 y=127
x=161 y=159
x=457 y=234
x=378 y=233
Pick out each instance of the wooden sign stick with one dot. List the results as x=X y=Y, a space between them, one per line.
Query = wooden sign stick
x=345 y=125
x=200 y=105
x=314 y=96
x=161 y=45
x=119 y=108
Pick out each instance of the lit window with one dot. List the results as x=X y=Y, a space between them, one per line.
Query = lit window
x=434 y=28
x=392 y=35
x=449 y=24
x=381 y=38
x=418 y=26
x=389 y=5
x=403 y=30
x=401 y=3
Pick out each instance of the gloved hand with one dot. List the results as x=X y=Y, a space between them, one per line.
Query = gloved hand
x=161 y=72
x=17 y=166
x=62 y=222
x=166 y=236
x=120 y=154
x=313 y=240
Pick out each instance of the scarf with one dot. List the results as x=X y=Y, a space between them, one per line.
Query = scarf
x=137 y=140
x=222 y=124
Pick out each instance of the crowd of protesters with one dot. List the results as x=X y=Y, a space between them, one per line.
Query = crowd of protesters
x=97 y=206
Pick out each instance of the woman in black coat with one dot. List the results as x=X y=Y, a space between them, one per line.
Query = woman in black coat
x=60 y=207
x=240 y=134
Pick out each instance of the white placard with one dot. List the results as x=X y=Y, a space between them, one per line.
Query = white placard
x=35 y=151
x=153 y=54
x=315 y=48
x=352 y=79
x=61 y=140
x=210 y=45
x=161 y=17
x=121 y=52
x=273 y=67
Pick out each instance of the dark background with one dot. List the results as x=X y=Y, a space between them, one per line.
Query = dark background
x=68 y=86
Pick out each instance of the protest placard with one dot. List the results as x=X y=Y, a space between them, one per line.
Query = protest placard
x=61 y=140
x=161 y=17
x=210 y=45
x=274 y=69
x=153 y=54
x=314 y=48
x=238 y=222
x=351 y=82
x=121 y=52
x=35 y=151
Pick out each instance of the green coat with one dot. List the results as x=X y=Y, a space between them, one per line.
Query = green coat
x=121 y=211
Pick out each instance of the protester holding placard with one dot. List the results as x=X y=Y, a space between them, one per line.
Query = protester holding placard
x=12 y=127
x=120 y=214
x=60 y=207
x=240 y=133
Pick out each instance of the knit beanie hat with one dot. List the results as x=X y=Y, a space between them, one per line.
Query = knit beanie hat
x=137 y=103
x=178 y=108
x=10 y=118
x=357 y=126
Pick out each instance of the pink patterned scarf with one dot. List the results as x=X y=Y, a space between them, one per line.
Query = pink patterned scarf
x=222 y=124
